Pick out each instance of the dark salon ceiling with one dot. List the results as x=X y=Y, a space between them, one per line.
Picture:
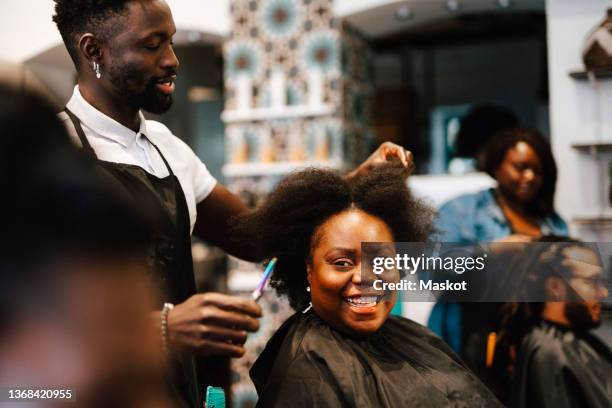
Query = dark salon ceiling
x=423 y=23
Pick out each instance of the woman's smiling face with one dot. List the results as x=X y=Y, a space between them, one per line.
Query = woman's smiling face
x=340 y=294
x=520 y=173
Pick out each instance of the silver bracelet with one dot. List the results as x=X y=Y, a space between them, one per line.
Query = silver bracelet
x=164 y=325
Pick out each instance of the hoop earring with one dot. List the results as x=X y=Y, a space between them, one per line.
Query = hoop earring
x=96 y=68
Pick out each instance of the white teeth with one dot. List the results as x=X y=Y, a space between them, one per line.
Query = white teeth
x=362 y=300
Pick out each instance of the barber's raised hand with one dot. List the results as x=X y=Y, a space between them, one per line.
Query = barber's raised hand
x=212 y=324
x=385 y=152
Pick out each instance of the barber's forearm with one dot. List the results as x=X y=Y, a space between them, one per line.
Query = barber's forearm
x=213 y=224
x=219 y=232
x=242 y=250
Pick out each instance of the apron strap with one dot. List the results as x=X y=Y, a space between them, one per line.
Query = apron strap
x=79 y=129
x=162 y=156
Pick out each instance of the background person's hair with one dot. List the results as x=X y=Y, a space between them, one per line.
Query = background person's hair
x=479 y=125
x=285 y=225
x=51 y=186
x=30 y=129
x=495 y=150
x=77 y=17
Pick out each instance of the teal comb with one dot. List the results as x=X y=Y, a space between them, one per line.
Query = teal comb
x=215 y=397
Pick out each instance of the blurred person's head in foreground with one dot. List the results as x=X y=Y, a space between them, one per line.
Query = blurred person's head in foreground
x=74 y=294
x=522 y=163
x=479 y=126
x=315 y=221
x=560 y=280
x=30 y=133
x=122 y=50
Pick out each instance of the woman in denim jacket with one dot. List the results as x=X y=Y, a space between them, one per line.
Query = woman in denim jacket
x=519 y=209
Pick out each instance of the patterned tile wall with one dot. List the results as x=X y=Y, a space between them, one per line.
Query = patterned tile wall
x=297 y=37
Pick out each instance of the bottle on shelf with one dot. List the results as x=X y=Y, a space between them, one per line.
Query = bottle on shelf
x=278 y=89
x=244 y=93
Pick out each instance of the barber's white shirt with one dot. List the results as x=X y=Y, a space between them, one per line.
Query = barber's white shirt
x=116 y=143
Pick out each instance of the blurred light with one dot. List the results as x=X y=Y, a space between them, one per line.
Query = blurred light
x=453 y=5
x=199 y=252
x=403 y=13
x=201 y=94
x=504 y=3
x=194 y=36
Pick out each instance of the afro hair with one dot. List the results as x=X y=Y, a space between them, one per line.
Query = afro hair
x=286 y=223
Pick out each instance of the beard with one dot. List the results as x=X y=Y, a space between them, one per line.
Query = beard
x=580 y=316
x=148 y=98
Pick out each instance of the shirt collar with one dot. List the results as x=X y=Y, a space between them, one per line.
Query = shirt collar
x=102 y=124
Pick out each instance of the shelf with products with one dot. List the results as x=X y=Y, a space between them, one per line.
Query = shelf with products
x=593 y=147
x=275 y=168
x=599 y=150
x=584 y=75
x=589 y=220
x=276 y=113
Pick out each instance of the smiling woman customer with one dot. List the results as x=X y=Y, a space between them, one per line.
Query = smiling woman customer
x=345 y=350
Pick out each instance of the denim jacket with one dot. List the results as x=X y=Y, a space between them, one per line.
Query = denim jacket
x=477 y=218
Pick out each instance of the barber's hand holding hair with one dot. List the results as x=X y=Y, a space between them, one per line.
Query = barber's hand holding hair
x=386 y=152
x=212 y=324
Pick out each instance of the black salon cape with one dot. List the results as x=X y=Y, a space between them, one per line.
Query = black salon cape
x=557 y=367
x=309 y=364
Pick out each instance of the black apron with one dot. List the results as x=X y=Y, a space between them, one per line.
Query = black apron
x=170 y=254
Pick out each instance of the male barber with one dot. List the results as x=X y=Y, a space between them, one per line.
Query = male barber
x=123 y=53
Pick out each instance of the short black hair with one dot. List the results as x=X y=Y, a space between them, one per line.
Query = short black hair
x=479 y=126
x=76 y=17
x=285 y=224
x=495 y=150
